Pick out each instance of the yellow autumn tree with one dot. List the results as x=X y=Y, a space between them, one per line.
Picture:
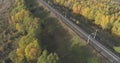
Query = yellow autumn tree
x=105 y=21
x=76 y=8
x=18 y=27
x=62 y=2
x=116 y=28
x=85 y=11
x=20 y=16
x=57 y=1
x=20 y=53
x=102 y=20
x=32 y=50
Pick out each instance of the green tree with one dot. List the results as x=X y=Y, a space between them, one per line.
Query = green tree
x=117 y=49
x=48 y=58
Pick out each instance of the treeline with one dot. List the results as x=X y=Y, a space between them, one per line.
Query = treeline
x=28 y=28
x=104 y=13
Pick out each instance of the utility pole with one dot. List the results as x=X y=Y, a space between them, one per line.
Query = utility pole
x=95 y=34
x=88 y=40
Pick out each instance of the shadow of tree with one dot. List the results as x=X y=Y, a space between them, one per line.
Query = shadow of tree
x=59 y=41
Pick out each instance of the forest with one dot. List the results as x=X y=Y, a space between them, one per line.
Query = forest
x=34 y=35
x=104 y=13
x=25 y=34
